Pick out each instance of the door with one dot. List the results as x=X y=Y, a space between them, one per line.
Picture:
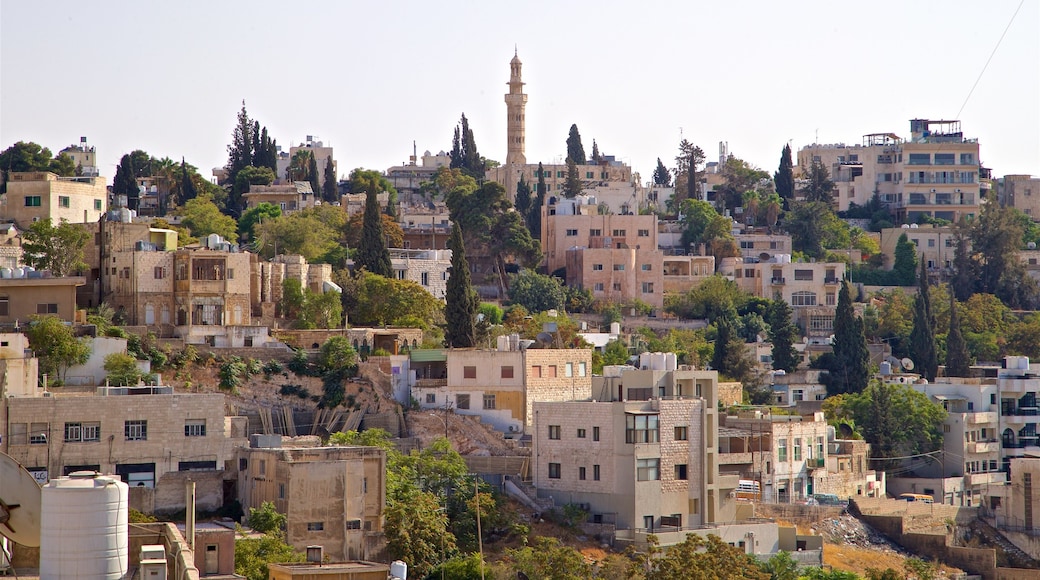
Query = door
x=212 y=564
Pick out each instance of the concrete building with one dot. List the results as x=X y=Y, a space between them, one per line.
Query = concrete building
x=756 y=247
x=84 y=157
x=269 y=280
x=683 y=273
x=936 y=245
x=563 y=232
x=811 y=288
x=499 y=386
x=23 y=298
x=150 y=436
x=408 y=178
x=331 y=496
x=1020 y=510
x=19 y=368
x=1021 y=192
x=10 y=246
x=289 y=197
x=936 y=172
x=623 y=274
x=1019 y=383
x=36 y=195
x=644 y=460
x=316 y=148
x=427 y=268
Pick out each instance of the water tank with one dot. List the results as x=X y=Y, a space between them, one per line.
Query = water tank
x=886 y=368
x=399 y=569
x=671 y=362
x=5 y=272
x=18 y=273
x=84 y=528
x=615 y=328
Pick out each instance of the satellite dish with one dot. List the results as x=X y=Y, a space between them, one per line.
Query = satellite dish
x=907 y=364
x=20 y=501
x=544 y=338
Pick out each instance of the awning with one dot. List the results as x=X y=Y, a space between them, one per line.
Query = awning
x=428 y=355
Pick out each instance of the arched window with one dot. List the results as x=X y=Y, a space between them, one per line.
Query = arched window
x=165 y=313
x=1008 y=438
x=803 y=298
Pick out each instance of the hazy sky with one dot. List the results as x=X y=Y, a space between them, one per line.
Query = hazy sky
x=371 y=77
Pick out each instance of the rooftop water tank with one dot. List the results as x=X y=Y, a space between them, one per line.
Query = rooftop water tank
x=615 y=328
x=84 y=527
x=399 y=570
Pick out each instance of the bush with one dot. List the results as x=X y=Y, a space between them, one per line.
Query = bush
x=266 y=519
x=122 y=370
x=300 y=363
x=272 y=367
x=231 y=373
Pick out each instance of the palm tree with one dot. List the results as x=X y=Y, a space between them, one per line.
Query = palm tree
x=299 y=166
x=772 y=203
x=163 y=170
x=751 y=202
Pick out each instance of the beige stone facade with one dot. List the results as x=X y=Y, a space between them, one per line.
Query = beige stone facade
x=619 y=274
x=1021 y=192
x=84 y=157
x=19 y=369
x=763 y=247
x=290 y=198
x=500 y=386
x=936 y=245
x=33 y=196
x=563 y=232
x=641 y=463
x=10 y=246
x=427 y=268
x=23 y=298
x=811 y=288
x=146 y=435
x=683 y=273
x=331 y=496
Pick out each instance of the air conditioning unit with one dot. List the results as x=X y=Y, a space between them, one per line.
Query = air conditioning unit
x=513 y=429
x=933 y=190
x=153 y=562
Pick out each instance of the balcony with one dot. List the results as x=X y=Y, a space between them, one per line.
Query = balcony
x=831 y=280
x=982 y=447
x=778 y=281
x=430 y=383
x=986 y=478
x=981 y=418
x=815 y=463
x=1019 y=385
x=734 y=458
x=728 y=480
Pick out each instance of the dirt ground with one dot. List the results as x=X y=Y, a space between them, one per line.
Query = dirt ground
x=467 y=434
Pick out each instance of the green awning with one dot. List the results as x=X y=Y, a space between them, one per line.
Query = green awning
x=429 y=355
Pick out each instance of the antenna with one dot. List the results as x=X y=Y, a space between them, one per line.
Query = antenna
x=20 y=501
x=907 y=364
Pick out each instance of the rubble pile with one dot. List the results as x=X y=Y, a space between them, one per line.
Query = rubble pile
x=847 y=530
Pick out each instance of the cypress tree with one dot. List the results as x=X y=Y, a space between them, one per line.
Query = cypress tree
x=124 y=183
x=188 y=191
x=312 y=175
x=461 y=302
x=962 y=285
x=724 y=333
x=922 y=337
x=256 y=146
x=905 y=263
x=849 y=368
x=783 y=334
x=523 y=198
x=597 y=158
x=575 y=150
x=784 y=176
x=572 y=187
x=534 y=217
x=372 y=253
x=957 y=356
x=662 y=176
x=328 y=189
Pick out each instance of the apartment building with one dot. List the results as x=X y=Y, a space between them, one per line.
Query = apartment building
x=1019 y=383
x=645 y=460
x=35 y=294
x=408 y=178
x=758 y=247
x=84 y=157
x=811 y=288
x=36 y=195
x=149 y=436
x=561 y=232
x=499 y=386
x=1021 y=192
x=936 y=245
x=333 y=497
x=936 y=172
x=316 y=148
x=427 y=268
x=683 y=273
x=289 y=197
x=624 y=274
x=1018 y=510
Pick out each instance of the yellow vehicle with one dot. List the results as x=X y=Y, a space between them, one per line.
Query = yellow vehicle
x=916 y=497
x=749 y=489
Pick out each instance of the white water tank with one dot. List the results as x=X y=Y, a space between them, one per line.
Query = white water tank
x=399 y=570
x=615 y=328
x=84 y=528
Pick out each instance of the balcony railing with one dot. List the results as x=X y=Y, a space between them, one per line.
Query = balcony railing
x=831 y=280
x=778 y=281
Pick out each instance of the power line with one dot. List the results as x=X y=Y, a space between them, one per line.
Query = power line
x=991 y=54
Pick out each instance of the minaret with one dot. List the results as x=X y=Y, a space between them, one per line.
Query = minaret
x=516 y=100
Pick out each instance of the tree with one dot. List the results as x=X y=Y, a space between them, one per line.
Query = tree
x=731 y=357
x=922 y=337
x=460 y=312
x=696 y=558
x=575 y=151
x=550 y=559
x=244 y=179
x=30 y=156
x=597 y=157
x=522 y=202
x=372 y=253
x=252 y=555
x=783 y=333
x=187 y=189
x=266 y=518
x=240 y=151
x=262 y=212
x=905 y=264
x=329 y=186
x=784 y=176
x=957 y=357
x=366 y=180
x=464 y=154
x=818 y=186
x=814 y=226
x=848 y=368
x=662 y=177
x=688 y=173
x=312 y=175
x=372 y=300
x=534 y=217
x=710 y=299
x=55 y=248
x=573 y=186
x=996 y=237
x=336 y=354
x=781 y=567
x=321 y=310
x=122 y=370
x=536 y=292
x=392 y=231
x=56 y=346
x=125 y=183
x=203 y=217
x=738 y=177
x=963 y=280
x=896 y=420
x=417 y=531
x=293 y=298
x=311 y=233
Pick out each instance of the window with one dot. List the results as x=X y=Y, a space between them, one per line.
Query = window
x=619 y=267
x=682 y=433
x=554 y=471
x=63 y=201
x=944 y=158
x=76 y=432
x=920 y=159
x=648 y=287
x=195 y=428
x=431 y=398
x=425 y=278
x=617 y=286
x=597 y=267
x=554 y=431
x=581 y=473
x=33 y=201
x=462 y=401
x=469 y=372
x=797 y=449
x=643 y=233
x=507 y=372
x=581 y=433
x=568 y=370
x=38 y=433
x=641 y=429
x=97 y=205
x=551 y=372
x=619 y=233
x=536 y=371
x=781 y=449
x=595 y=472
x=46 y=309
x=648 y=469
x=159 y=272
x=803 y=298
x=572 y=233
x=315 y=526
x=353 y=524
x=581 y=369
x=595 y=433
x=831 y=301
x=597 y=287
x=136 y=430
x=281 y=491
x=645 y=267
x=489 y=402
x=803 y=274
x=680 y=471
x=5 y=305
x=595 y=233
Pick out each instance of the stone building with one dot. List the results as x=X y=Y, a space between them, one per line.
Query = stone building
x=407 y=179
x=35 y=195
x=289 y=197
x=1021 y=192
x=427 y=268
x=19 y=369
x=38 y=294
x=811 y=288
x=331 y=496
x=84 y=157
x=936 y=245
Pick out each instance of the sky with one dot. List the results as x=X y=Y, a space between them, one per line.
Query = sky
x=371 y=78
